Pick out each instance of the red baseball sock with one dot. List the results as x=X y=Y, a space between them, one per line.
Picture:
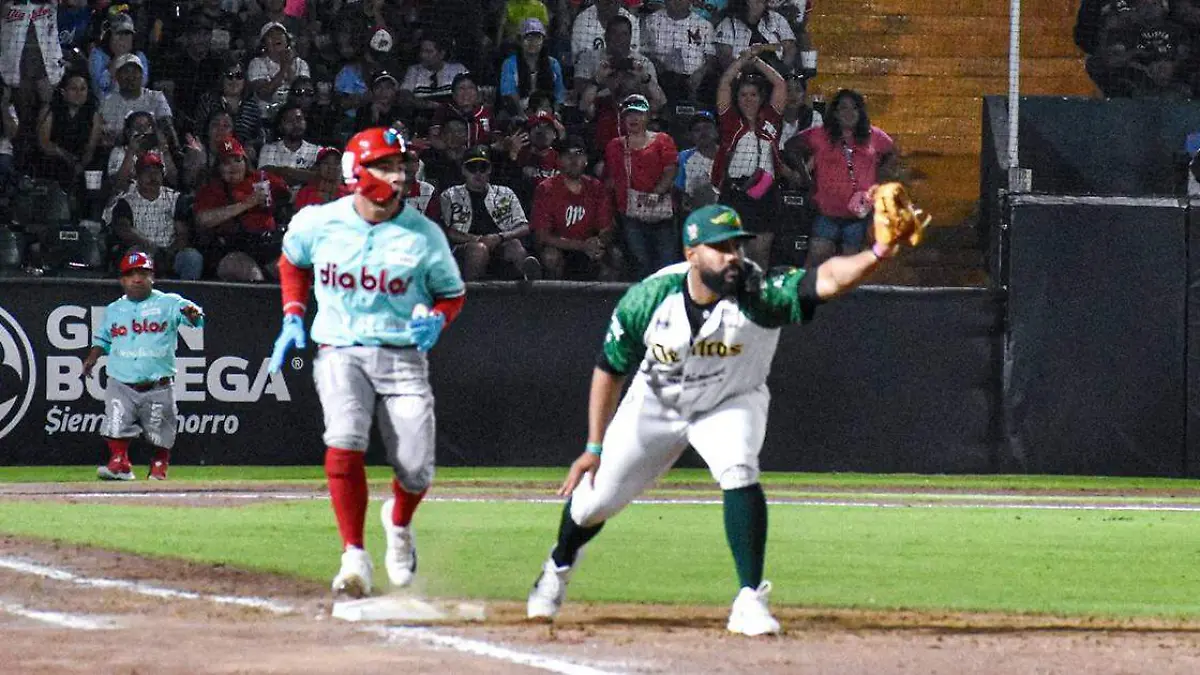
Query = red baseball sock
x=161 y=455
x=118 y=448
x=347 y=474
x=405 y=505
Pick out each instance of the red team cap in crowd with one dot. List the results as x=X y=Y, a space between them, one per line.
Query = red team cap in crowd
x=149 y=158
x=541 y=117
x=231 y=148
x=327 y=152
x=136 y=260
x=365 y=147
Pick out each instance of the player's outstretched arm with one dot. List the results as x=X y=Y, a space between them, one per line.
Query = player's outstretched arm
x=602 y=405
x=842 y=273
x=896 y=220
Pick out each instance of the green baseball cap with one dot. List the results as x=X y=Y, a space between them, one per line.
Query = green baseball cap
x=713 y=224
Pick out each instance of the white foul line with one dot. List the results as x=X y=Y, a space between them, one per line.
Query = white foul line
x=476 y=647
x=899 y=503
x=487 y=649
x=75 y=621
x=142 y=589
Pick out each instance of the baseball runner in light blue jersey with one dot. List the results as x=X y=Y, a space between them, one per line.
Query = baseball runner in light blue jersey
x=139 y=335
x=697 y=339
x=386 y=284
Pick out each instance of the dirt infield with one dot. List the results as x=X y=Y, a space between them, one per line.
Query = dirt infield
x=72 y=609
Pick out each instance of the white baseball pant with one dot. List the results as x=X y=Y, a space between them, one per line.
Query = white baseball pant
x=646 y=438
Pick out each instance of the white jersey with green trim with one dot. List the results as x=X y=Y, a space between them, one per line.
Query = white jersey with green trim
x=730 y=354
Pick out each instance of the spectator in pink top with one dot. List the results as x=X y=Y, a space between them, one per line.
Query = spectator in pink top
x=846 y=157
x=640 y=166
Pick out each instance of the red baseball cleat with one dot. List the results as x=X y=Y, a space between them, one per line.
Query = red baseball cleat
x=158 y=470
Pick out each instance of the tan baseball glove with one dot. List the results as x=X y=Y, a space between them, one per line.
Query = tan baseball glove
x=897 y=219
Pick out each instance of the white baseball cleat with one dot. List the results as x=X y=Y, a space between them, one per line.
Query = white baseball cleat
x=401 y=557
x=750 y=615
x=548 y=592
x=354 y=579
x=115 y=470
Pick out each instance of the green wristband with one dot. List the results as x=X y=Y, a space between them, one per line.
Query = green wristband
x=594 y=448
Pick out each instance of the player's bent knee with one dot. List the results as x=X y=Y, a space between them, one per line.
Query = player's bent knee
x=416 y=482
x=738 y=476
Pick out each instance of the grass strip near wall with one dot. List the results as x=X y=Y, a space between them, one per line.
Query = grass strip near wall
x=1071 y=563
x=553 y=476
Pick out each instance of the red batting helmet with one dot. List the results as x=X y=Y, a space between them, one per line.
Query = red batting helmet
x=136 y=260
x=368 y=146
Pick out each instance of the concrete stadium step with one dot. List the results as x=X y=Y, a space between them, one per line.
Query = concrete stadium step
x=1058 y=67
x=906 y=23
x=1049 y=9
x=920 y=86
x=950 y=45
x=880 y=106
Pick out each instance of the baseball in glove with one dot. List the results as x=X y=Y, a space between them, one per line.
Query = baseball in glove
x=897 y=219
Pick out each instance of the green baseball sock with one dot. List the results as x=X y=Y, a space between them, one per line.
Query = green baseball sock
x=571 y=538
x=746 y=531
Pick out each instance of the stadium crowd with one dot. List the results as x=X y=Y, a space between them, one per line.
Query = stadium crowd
x=543 y=136
x=1140 y=48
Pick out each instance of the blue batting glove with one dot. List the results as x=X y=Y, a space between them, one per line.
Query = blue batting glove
x=426 y=330
x=291 y=335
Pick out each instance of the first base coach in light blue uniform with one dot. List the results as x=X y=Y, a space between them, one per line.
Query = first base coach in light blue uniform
x=386 y=283
x=139 y=334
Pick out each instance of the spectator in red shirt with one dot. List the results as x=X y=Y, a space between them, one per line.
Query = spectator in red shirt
x=465 y=105
x=532 y=155
x=235 y=212
x=572 y=221
x=750 y=115
x=641 y=167
x=327 y=185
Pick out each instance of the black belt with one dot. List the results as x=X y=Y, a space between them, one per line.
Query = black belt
x=150 y=384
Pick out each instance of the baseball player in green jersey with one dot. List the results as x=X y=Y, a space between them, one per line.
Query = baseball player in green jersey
x=698 y=339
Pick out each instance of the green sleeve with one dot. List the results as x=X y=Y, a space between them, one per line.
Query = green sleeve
x=624 y=342
x=784 y=297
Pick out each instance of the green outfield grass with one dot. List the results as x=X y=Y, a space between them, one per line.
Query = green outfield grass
x=1079 y=563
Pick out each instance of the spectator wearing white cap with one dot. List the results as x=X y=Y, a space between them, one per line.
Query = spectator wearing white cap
x=529 y=69
x=115 y=42
x=272 y=11
x=132 y=95
x=270 y=75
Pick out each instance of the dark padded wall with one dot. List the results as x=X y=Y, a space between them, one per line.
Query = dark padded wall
x=1096 y=350
x=883 y=380
x=1094 y=146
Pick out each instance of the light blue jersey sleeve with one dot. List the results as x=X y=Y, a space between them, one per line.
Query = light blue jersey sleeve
x=681 y=174
x=508 y=76
x=103 y=336
x=560 y=87
x=182 y=303
x=302 y=234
